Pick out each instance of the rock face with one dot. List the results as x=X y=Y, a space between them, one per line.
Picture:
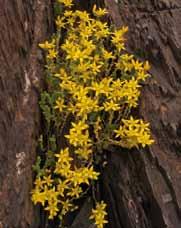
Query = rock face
x=142 y=188
x=23 y=24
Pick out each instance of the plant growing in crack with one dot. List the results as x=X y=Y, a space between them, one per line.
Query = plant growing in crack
x=93 y=84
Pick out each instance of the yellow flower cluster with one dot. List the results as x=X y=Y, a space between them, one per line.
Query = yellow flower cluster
x=133 y=133
x=93 y=85
x=45 y=194
x=57 y=194
x=99 y=214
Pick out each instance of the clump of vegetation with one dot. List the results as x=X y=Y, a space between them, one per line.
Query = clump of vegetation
x=93 y=83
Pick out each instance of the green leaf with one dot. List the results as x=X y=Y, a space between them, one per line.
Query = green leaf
x=58 y=9
x=36 y=167
x=52 y=142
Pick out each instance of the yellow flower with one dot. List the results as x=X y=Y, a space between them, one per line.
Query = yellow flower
x=77 y=177
x=78 y=135
x=68 y=13
x=52 y=195
x=102 y=87
x=101 y=29
x=134 y=132
x=79 y=92
x=107 y=55
x=64 y=156
x=52 y=54
x=61 y=187
x=83 y=15
x=71 y=22
x=60 y=104
x=60 y=22
x=75 y=52
x=146 y=66
x=72 y=108
x=82 y=67
x=47 y=180
x=62 y=74
x=90 y=173
x=126 y=57
x=95 y=68
x=68 y=45
x=53 y=209
x=98 y=12
x=118 y=35
x=67 y=84
x=141 y=75
x=84 y=152
x=83 y=175
x=130 y=91
x=145 y=140
x=87 y=105
x=66 y=206
x=124 y=62
x=75 y=191
x=88 y=44
x=111 y=105
x=72 y=36
x=118 y=38
x=78 y=138
x=38 y=183
x=67 y=3
x=39 y=197
x=63 y=169
x=80 y=126
x=63 y=165
x=137 y=65
x=99 y=214
x=48 y=45
x=85 y=30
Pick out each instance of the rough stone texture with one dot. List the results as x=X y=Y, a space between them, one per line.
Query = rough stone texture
x=23 y=24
